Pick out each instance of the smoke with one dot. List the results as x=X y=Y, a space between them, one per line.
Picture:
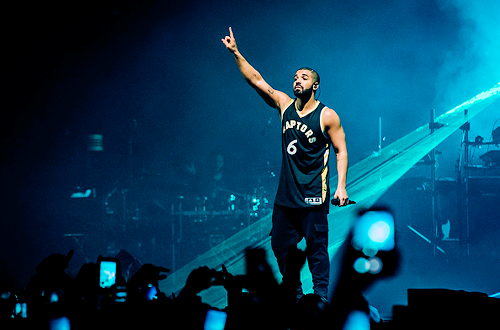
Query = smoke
x=471 y=67
x=475 y=65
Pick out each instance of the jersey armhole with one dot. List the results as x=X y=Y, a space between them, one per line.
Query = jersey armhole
x=287 y=106
x=321 y=124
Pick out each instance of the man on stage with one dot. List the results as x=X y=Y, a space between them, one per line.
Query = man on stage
x=301 y=204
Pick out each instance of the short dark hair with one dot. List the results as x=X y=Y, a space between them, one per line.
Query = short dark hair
x=314 y=73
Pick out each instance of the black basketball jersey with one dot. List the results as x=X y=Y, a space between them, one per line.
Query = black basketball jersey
x=305 y=154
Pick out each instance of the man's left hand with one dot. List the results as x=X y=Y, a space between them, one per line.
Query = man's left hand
x=341 y=195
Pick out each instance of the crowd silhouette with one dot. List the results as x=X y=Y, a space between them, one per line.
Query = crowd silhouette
x=255 y=300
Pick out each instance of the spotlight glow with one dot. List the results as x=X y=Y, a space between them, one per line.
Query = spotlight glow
x=361 y=265
x=374 y=232
x=379 y=232
x=375 y=265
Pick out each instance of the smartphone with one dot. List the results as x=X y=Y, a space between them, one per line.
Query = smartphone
x=108 y=270
x=151 y=292
x=215 y=320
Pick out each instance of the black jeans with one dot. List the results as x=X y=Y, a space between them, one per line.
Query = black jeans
x=290 y=225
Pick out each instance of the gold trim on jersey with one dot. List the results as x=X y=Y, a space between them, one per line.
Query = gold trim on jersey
x=321 y=124
x=308 y=112
x=287 y=106
x=324 y=172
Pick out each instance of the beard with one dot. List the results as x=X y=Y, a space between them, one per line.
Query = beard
x=303 y=93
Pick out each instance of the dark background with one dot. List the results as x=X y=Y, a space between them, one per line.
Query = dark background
x=154 y=78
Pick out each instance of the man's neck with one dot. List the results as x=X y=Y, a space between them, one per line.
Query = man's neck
x=305 y=105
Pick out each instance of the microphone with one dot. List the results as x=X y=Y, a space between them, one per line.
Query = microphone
x=336 y=202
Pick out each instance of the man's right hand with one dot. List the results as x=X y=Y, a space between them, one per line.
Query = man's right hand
x=229 y=42
x=272 y=97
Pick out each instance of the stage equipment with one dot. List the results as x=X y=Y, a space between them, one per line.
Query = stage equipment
x=495 y=136
x=469 y=174
x=491 y=158
x=201 y=223
x=433 y=126
x=445 y=309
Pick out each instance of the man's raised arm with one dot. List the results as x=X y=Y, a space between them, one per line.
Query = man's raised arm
x=272 y=97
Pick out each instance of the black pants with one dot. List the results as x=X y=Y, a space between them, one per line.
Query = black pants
x=290 y=225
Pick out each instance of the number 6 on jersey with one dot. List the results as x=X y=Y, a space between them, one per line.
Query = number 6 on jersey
x=292 y=149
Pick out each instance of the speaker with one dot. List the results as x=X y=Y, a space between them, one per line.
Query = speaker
x=484 y=208
x=446 y=309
